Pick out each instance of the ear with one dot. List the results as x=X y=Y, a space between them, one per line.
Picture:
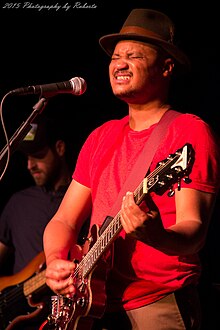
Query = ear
x=168 y=67
x=60 y=147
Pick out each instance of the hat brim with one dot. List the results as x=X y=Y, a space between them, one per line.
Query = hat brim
x=29 y=149
x=108 y=43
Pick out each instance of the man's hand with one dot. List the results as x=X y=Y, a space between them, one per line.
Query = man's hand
x=59 y=277
x=144 y=225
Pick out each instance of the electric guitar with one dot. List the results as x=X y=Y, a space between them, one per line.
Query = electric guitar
x=20 y=294
x=91 y=272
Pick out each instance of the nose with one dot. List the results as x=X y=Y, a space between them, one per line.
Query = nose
x=120 y=63
x=31 y=163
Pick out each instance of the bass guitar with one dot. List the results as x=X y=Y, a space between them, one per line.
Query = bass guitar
x=22 y=295
x=89 y=301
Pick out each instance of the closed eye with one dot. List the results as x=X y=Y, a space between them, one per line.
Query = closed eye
x=114 y=58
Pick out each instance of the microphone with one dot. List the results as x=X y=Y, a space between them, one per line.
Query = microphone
x=75 y=86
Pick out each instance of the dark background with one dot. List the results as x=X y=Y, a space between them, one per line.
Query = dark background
x=47 y=46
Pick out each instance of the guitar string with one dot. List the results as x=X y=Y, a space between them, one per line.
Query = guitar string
x=8 y=298
x=108 y=230
x=16 y=292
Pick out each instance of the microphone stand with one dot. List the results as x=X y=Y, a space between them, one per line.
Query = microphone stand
x=23 y=129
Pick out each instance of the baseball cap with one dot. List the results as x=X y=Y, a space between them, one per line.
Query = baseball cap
x=42 y=135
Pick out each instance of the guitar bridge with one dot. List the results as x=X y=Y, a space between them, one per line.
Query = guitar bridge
x=57 y=303
x=56 y=310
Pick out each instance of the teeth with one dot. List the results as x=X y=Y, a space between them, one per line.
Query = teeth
x=122 y=78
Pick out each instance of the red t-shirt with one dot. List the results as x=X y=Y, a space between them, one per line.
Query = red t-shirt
x=142 y=274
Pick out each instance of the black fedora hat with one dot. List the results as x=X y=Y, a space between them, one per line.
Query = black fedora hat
x=148 y=26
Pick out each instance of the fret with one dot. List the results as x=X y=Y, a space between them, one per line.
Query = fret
x=34 y=283
x=166 y=171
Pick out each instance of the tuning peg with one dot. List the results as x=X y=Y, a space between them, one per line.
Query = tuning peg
x=178 y=183
x=187 y=180
x=171 y=192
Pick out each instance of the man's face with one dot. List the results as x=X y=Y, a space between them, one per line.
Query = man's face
x=135 y=71
x=45 y=167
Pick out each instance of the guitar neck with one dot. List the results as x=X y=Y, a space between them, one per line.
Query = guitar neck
x=107 y=237
x=67 y=312
x=168 y=171
x=34 y=283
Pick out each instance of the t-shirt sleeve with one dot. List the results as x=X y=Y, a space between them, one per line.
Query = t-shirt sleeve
x=82 y=169
x=205 y=173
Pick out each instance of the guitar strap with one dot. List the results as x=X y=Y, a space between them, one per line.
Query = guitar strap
x=143 y=162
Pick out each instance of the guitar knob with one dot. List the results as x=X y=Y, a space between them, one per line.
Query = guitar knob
x=81 y=302
x=187 y=180
x=171 y=193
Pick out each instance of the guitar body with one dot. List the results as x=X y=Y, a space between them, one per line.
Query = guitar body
x=90 y=275
x=18 y=305
x=89 y=302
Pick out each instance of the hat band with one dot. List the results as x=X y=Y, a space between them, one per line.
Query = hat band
x=140 y=31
